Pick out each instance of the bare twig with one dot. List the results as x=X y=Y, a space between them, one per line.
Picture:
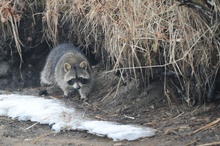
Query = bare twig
x=207 y=126
x=210 y=144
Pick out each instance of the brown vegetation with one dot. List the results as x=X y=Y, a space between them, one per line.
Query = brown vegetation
x=144 y=39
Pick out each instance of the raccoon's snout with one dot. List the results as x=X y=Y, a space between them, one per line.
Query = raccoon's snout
x=77 y=83
x=76 y=86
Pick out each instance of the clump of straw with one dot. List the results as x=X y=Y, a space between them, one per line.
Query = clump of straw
x=10 y=14
x=144 y=39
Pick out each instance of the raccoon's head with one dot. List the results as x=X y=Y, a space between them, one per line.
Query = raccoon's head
x=76 y=76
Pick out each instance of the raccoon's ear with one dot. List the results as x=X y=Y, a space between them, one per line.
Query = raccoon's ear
x=67 y=67
x=83 y=65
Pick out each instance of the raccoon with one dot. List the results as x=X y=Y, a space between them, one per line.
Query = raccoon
x=68 y=68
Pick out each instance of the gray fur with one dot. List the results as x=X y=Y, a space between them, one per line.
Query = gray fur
x=55 y=74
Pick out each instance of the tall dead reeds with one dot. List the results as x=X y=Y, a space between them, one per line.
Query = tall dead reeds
x=143 y=38
x=10 y=14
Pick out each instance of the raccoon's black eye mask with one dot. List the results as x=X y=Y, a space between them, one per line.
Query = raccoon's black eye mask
x=83 y=80
x=71 y=82
x=80 y=79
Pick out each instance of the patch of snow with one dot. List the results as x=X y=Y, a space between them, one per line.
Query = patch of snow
x=116 y=131
x=60 y=117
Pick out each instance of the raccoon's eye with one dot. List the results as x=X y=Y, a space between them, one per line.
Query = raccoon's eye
x=71 y=82
x=83 y=80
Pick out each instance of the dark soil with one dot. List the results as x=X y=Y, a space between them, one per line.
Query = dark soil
x=114 y=100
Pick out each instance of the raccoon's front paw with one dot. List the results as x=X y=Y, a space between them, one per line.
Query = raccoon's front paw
x=65 y=93
x=84 y=99
x=43 y=92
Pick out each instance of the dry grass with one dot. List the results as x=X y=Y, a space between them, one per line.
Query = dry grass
x=10 y=16
x=142 y=37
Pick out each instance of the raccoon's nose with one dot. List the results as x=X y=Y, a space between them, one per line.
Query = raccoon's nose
x=78 y=87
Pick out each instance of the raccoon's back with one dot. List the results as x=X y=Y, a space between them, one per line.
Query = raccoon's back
x=54 y=59
x=56 y=54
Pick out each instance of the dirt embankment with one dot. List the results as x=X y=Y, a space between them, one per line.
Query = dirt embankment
x=113 y=100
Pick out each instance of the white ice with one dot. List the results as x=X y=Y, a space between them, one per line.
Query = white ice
x=61 y=117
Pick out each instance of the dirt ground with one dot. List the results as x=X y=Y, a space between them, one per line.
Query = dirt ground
x=112 y=98
x=115 y=100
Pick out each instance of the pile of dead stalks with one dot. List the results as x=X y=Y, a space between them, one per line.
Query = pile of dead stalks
x=144 y=39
